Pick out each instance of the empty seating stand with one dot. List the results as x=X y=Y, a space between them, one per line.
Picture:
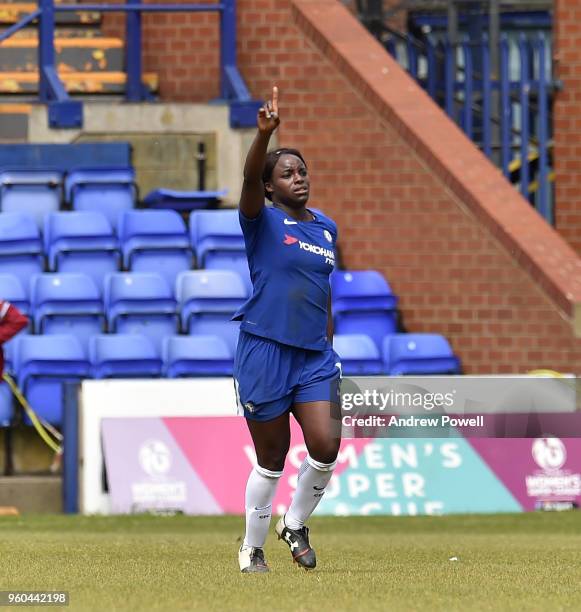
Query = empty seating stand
x=140 y=303
x=21 y=252
x=67 y=303
x=32 y=192
x=108 y=191
x=155 y=241
x=218 y=242
x=124 y=356
x=198 y=355
x=419 y=354
x=363 y=300
x=208 y=295
x=81 y=242
x=358 y=353
x=43 y=364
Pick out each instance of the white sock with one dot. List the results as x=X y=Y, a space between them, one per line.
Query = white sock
x=260 y=490
x=313 y=479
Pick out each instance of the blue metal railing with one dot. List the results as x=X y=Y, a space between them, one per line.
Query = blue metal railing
x=508 y=114
x=65 y=112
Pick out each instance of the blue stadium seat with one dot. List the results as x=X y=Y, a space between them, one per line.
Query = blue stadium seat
x=197 y=356
x=43 y=364
x=227 y=330
x=20 y=247
x=140 y=303
x=419 y=354
x=155 y=241
x=363 y=303
x=184 y=201
x=12 y=290
x=108 y=191
x=10 y=353
x=218 y=242
x=124 y=356
x=8 y=349
x=359 y=355
x=67 y=303
x=33 y=192
x=6 y=405
x=211 y=295
x=81 y=242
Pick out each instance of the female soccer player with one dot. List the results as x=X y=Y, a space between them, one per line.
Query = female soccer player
x=285 y=360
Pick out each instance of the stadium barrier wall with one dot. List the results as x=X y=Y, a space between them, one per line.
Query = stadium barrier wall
x=152 y=123
x=177 y=445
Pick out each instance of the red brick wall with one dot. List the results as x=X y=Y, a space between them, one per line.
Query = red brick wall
x=182 y=48
x=567 y=121
x=412 y=197
x=396 y=213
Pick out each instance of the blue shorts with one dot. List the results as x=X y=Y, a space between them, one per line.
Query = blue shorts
x=270 y=377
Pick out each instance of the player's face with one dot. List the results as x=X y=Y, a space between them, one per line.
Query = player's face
x=290 y=182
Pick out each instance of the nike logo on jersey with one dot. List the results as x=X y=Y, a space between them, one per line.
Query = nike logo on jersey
x=289 y=222
x=290 y=239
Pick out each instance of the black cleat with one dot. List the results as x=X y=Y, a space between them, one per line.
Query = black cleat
x=251 y=560
x=298 y=542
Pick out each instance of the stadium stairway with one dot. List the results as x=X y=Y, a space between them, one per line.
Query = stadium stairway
x=88 y=63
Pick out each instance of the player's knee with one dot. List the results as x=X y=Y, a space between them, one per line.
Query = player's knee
x=325 y=451
x=272 y=460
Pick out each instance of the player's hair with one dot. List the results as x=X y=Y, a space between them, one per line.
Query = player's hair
x=270 y=162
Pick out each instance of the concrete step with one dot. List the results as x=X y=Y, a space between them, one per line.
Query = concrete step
x=13 y=12
x=38 y=494
x=14 y=122
x=72 y=54
x=75 y=82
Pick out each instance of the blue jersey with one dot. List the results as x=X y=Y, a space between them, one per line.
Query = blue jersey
x=290 y=262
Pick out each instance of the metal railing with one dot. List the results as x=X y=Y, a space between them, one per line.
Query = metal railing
x=507 y=113
x=65 y=112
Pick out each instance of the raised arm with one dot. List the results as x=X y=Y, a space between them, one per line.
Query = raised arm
x=252 y=197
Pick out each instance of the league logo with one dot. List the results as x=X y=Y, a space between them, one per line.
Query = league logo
x=154 y=458
x=549 y=453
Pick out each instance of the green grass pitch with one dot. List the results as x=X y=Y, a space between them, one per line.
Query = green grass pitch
x=504 y=562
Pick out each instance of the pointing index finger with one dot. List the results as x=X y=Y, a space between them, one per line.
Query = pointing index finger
x=275 y=99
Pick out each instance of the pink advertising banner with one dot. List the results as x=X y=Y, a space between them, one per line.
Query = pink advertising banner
x=199 y=465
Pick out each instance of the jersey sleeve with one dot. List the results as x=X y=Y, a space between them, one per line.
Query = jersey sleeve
x=11 y=321
x=251 y=228
x=334 y=231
